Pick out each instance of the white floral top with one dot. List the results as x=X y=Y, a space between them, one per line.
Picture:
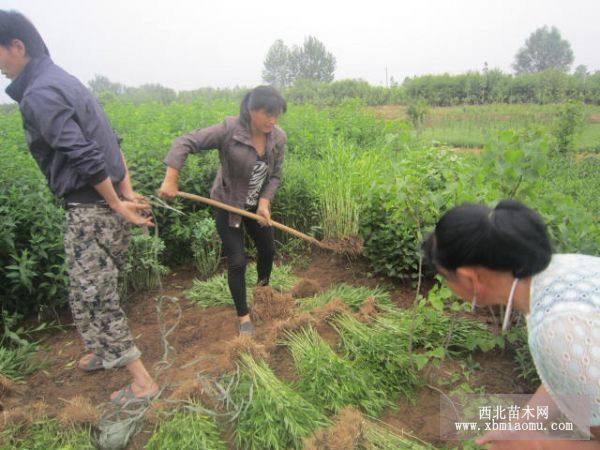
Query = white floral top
x=564 y=330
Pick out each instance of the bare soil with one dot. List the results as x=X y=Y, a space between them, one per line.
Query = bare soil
x=206 y=340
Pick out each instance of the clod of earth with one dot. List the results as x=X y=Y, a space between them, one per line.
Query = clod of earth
x=305 y=288
x=346 y=433
x=335 y=307
x=78 y=411
x=350 y=245
x=268 y=304
x=244 y=345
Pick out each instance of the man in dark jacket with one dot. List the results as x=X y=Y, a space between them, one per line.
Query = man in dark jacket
x=75 y=147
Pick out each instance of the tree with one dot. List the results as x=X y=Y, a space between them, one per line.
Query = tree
x=581 y=71
x=312 y=61
x=101 y=84
x=277 y=65
x=544 y=49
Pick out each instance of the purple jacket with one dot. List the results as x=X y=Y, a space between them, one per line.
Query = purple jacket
x=237 y=156
x=67 y=131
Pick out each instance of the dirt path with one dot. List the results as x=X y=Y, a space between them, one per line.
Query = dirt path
x=199 y=343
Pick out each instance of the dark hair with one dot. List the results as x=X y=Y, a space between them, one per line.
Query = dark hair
x=510 y=237
x=261 y=97
x=14 y=25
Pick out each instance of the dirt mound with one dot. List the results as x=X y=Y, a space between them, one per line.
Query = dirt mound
x=346 y=433
x=78 y=411
x=7 y=386
x=328 y=311
x=368 y=309
x=268 y=304
x=349 y=245
x=294 y=324
x=23 y=415
x=305 y=288
x=242 y=344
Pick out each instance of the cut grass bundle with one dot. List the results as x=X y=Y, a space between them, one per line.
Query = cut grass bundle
x=351 y=431
x=215 y=292
x=331 y=381
x=271 y=415
x=429 y=329
x=189 y=431
x=350 y=295
x=381 y=352
x=45 y=434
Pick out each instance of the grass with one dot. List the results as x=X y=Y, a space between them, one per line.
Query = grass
x=45 y=434
x=191 y=431
x=469 y=126
x=350 y=295
x=215 y=291
x=331 y=381
x=272 y=414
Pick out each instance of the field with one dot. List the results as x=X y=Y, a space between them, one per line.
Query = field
x=365 y=344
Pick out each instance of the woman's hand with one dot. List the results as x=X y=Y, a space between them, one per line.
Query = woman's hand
x=264 y=210
x=168 y=189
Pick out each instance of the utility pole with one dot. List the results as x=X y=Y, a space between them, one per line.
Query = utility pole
x=387 y=85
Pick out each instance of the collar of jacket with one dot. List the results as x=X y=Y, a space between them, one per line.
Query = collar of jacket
x=16 y=89
x=242 y=134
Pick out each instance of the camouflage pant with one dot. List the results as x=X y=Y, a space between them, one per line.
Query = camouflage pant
x=96 y=240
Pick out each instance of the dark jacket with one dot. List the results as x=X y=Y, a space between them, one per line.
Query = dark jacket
x=237 y=156
x=67 y=131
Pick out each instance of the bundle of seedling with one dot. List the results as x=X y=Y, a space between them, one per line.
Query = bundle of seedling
x=269 y=413
x=350 y=295
x=215 y=292
x=351 y=431
x=189 y=430
x=381 y=353
x=330 y=381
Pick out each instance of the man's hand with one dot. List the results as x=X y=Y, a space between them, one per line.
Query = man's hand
x=130 y=211
x=264 y=211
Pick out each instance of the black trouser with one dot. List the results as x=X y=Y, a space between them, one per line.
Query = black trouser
x=233 y=246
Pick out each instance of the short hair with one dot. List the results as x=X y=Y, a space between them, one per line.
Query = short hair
x=262 y=97
x=14 y=25
x=511 y=237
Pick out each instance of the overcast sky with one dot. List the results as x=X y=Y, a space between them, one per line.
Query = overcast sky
x=186 y=44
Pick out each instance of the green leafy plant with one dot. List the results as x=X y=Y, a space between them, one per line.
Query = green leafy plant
x=143 y=269
x=570 y=120
x=206 y=246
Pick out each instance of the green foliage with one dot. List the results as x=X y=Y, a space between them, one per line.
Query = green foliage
x=353 y=296
x=192 y=431
x=330 y=381
x=570 y=120
x=400 y=342
x=215 y=291
x=525 y=367
x=380 y=352
x=417 y=111
x=18 y=353
x=143 y=269
x=272 y=414
x=45 y=434
x=206 y=245
x=512 y=161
